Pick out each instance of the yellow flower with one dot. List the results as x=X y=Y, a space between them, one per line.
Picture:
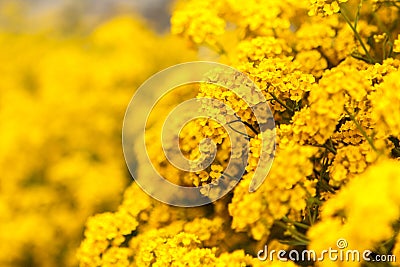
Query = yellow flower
x=344 y=215
x=324 y=7
x=396 y=47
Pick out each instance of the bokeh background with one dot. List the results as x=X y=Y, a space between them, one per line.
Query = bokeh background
x=68 y=70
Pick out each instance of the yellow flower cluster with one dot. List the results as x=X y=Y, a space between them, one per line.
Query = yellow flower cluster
x=327 y=102
x=350 y=160
x=283 y=195
x=324 y=8
x=386 y=102
x=330 y=75
x=374 y=198
x=397 y=45
x=198 y=26
x=148 y=233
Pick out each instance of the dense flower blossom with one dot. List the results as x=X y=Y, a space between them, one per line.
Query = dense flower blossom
x=330 y=75
x=329 y=69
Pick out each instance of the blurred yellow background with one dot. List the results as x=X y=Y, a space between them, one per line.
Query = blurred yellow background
x=68 y=70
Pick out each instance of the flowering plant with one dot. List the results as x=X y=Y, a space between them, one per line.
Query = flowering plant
x=330 y=71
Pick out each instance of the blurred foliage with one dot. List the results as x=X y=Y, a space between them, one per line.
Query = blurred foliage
x=62 y=101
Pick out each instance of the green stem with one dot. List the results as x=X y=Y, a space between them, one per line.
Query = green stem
x=301 y=225
x=310 y=217
x=361 y=129
x=314 y=218
x=221 y=49
x=295 y=234
x=358 y=14
x=331 y=145
x=357 y=35
x=280 y=102
x=245 y=123
x=236 y=131
x=356 y=56
x=325 y=186
x=331 y=149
